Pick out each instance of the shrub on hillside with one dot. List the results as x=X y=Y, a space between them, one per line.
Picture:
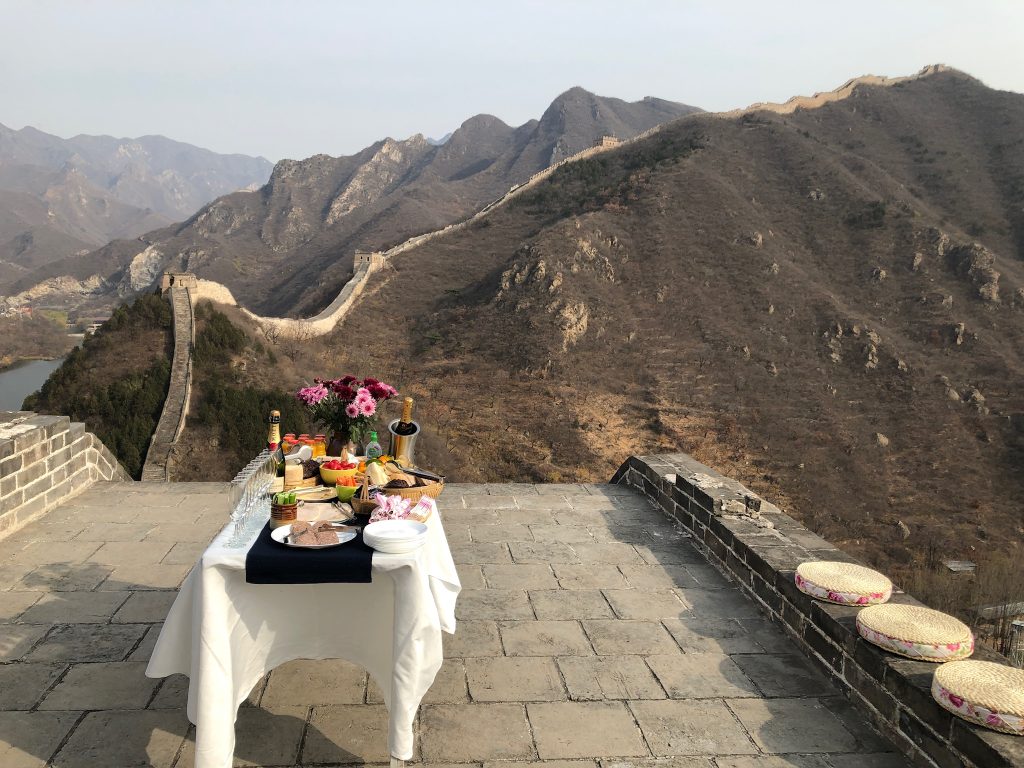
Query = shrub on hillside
x=230 y=407
x=117 y=380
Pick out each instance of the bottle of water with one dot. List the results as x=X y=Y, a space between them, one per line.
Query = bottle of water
x=373 y=449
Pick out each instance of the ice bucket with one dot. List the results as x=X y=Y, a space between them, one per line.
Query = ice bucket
x=402 y=446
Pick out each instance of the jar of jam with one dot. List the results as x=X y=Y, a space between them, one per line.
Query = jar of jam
x=319 y=446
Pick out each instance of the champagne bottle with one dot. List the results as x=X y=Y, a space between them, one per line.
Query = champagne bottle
x=405 y=426
x=274 y=434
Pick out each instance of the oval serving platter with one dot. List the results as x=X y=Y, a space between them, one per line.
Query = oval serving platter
x=282 y=535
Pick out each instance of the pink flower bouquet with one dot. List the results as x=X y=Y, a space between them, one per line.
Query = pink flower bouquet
x=347 y=405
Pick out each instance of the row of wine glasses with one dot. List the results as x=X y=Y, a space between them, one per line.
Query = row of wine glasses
x=252 y=507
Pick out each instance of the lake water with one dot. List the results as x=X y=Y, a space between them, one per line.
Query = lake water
x=22 y=379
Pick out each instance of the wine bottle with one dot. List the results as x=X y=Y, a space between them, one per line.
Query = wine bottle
x=405 y=425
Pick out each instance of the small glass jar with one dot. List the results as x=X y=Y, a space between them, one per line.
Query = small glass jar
x=319 y=446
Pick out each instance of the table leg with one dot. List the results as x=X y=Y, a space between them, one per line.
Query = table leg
x=396 y=763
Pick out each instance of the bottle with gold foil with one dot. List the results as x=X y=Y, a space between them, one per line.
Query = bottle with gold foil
x=405 y=425
x=274 y=433
x=403 y=434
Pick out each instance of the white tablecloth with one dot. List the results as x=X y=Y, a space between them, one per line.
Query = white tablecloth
x=226 y=634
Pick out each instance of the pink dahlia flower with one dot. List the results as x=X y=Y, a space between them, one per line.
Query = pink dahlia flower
x=351 y=410
x=312 y=395
x=368 y=407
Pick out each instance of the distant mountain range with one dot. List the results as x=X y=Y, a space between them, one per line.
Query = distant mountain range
x=288 y=247
x=60 y=197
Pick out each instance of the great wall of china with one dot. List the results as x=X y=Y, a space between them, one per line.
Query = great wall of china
x=175 y=410
x=185 y=290
x=172 y=419
x=366 y=263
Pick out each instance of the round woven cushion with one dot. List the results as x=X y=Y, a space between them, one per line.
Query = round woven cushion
x=916 y=632
x=985 y=693
x=843 y=583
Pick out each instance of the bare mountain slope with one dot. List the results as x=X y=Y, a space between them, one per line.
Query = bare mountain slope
x=828 y=304
x=287 y=248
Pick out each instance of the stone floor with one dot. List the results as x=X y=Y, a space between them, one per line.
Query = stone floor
x=590 y=632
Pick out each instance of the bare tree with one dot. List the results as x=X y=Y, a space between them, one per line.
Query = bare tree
x=271 y=332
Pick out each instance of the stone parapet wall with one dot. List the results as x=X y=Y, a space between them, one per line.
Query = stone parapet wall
x=45 y=460
x=759 y=547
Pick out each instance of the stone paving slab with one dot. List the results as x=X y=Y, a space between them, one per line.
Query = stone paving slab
x=591 y=635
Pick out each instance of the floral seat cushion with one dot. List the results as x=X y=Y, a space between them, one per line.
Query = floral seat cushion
x=843 y=583
x=982 y=692
x=916 y=632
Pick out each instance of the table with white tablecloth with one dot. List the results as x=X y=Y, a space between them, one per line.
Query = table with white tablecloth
x=226 y=634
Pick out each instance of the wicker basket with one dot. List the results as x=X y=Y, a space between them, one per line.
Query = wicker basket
x=362 y=504
x=982 y=692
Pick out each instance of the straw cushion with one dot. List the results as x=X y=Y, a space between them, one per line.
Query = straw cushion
x=843 y=583
x=982 y=692
x=916 y=632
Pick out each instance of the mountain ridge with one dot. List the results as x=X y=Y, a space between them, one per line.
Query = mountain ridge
x=302 y=227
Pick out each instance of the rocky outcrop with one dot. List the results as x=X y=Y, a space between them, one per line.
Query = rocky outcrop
x=378 y=176
x=142 y=272
x=976 y=263
x=60 y=288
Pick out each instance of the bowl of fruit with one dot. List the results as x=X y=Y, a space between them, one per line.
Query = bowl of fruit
x=347 y=487
x=333 y=470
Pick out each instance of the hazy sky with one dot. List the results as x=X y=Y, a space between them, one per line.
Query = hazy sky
x=290 y=79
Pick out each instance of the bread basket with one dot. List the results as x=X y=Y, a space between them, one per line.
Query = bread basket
x=363 y=504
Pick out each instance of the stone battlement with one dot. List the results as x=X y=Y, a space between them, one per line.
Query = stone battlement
x=178 y=280
x=45 y=460
x=372 y=259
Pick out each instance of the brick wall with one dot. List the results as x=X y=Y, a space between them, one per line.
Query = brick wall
x=44 y=460
x=759 y=547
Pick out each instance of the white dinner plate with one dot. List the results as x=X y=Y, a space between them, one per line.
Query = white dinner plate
x=282 y=536
x=395 y=537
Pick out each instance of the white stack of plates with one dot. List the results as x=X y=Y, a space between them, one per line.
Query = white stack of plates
x=395 y=537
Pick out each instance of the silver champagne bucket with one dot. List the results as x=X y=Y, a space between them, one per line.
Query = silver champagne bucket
x=402 y=447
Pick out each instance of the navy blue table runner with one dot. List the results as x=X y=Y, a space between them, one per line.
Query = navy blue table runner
x=268 y=562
